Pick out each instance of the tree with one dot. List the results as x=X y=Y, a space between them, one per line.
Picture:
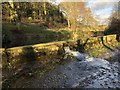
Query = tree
x=114 y=26
x=72 y=11
x=88 y=18
x=44 y=12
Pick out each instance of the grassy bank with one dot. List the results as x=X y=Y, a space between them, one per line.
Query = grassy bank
x=30 y=34
x=33 y=34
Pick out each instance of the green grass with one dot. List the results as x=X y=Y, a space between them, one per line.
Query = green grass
x=100 y=50
x=33 y=34
x=26 y=28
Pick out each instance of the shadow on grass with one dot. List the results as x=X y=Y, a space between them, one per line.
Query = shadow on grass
x=29 y=35
x=106 y=45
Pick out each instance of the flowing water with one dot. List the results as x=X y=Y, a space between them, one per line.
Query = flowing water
x=84 y=71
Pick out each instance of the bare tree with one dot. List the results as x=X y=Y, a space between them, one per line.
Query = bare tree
x=72 y=11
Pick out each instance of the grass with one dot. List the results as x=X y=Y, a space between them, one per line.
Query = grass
x=33 y=34
x=98 y=50
x=26 y=28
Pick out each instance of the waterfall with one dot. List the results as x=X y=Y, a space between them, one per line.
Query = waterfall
x=76 y=54
x=85 y=58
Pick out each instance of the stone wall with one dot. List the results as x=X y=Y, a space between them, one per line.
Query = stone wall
x=42 y=52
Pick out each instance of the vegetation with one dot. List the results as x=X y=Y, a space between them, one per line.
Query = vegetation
x=114 y=27
x=36 y=19
x=28 y=23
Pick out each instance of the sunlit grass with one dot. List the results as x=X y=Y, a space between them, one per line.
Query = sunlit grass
x=98 y=51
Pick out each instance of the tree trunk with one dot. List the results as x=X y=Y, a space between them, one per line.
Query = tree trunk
x=118 y=37
x=39 y=14
x=45 y=11
x=19 y=21
x=69 y=25
x=73 y=27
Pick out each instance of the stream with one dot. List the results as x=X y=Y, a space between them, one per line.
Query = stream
x=83 y=72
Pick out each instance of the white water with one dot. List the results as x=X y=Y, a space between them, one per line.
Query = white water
x=106 y=75
x=86 y=58
x=76 y=54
